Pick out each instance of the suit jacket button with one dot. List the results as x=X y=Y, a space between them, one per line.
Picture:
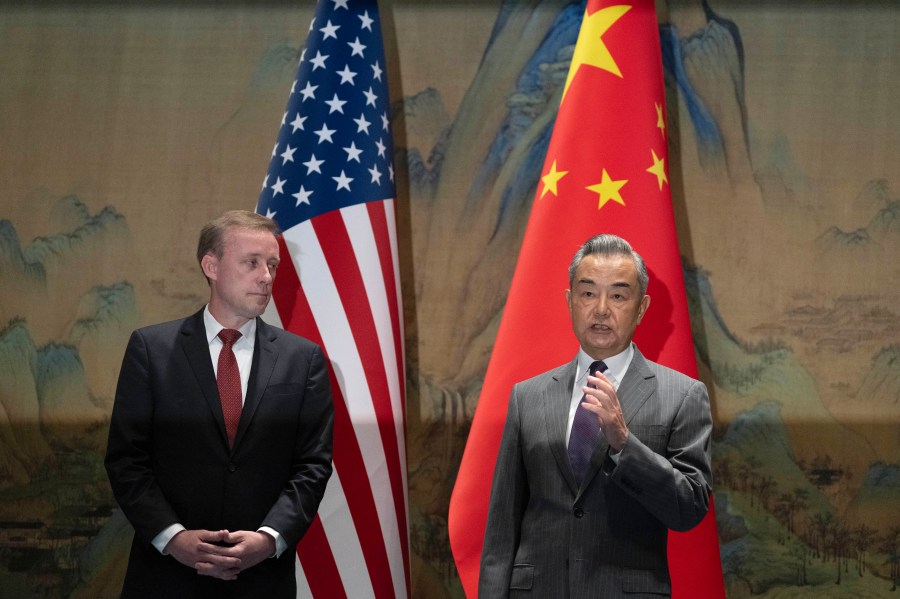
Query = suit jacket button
x=232 y=468
x=579 y=512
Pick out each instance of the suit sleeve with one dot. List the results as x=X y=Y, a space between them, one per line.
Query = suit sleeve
x=674 y=487
x=296 y=506
x=509 y=496
x=128 y=461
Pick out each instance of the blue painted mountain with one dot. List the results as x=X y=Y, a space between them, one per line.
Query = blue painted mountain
x=69 y=417
x=42 y=280
x=876 y=502
x=23 y=448
x=883 y=230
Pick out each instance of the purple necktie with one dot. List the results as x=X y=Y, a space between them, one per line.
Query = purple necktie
x=585 y=429
x=228 y=379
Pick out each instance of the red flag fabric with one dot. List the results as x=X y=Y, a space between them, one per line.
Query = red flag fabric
x=605 y=172
x=330 y=187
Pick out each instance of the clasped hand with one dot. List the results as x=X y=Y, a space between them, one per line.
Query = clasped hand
x=220 y=553
x=600 y=398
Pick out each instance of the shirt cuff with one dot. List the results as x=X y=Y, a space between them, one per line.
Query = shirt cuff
x=161 y=540
x=280 y=543
x=615 y=455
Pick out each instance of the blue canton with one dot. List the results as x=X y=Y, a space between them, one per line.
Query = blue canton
x=334 y=147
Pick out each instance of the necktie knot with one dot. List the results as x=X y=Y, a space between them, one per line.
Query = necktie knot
x=229 y=336
x=594 y=367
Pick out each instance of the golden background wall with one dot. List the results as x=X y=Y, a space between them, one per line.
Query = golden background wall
x=124 y=126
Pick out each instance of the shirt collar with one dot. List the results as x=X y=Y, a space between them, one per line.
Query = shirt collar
x=248 y=330
x=616 y=365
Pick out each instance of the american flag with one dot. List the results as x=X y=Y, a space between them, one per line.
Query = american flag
x=330 y=187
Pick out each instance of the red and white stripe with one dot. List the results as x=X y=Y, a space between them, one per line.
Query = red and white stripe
x=339 y=286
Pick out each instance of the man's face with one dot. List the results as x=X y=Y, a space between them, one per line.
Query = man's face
x=605 y=304
x=241 y=279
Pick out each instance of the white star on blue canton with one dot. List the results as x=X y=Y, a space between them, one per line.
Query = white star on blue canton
x=366 y=20
x=278 y=187
x=343 y=182
x=313 y=166
x=336 y=104
x=362 y=124
x=302 y=196
x=353 y=152
x=330 y=30
x=297 y=123
x=347 y=75
x=371 y=97
x=288 y=154
x=325 y=133
x=309 y=92
x=319 y=61
x=357 y=47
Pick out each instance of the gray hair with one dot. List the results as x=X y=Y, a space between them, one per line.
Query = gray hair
x=610 y=245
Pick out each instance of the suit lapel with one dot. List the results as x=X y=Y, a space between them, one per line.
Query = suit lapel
x=637 y=386
x=557 y=397
x=196 y=349
x=264 y=358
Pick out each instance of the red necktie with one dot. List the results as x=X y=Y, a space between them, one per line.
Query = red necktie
x=585 y=430
x=228 y=378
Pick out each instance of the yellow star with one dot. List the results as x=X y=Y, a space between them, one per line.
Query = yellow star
x=660 y=121
x=658 y=169
x=590 y=49
x=551 y=179
x=608 y=190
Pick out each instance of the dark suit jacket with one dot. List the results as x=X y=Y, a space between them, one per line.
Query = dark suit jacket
x=546 y=537
x=168 y=458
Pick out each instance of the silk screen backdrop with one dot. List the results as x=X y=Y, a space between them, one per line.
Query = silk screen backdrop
x=126 y=125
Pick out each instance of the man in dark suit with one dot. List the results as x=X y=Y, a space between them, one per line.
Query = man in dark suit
x=221 y=434
x=599 y=457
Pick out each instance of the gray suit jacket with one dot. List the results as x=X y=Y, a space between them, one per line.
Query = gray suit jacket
x=546 y=537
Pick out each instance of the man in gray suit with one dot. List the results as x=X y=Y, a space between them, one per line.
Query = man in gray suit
x=600 y=456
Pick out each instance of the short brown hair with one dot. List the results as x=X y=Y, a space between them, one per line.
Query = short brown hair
x=212 y=235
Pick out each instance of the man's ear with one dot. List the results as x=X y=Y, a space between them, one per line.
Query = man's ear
x=210 y=266
x=642 y=310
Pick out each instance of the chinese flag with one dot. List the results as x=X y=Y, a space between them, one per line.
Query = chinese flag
x=605 y=172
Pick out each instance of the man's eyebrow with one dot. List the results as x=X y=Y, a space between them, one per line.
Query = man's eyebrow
x=260 y=255
x=586 y=281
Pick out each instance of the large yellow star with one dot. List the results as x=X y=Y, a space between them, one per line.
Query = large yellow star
x=608 y=190
x=658 y=169
x=590 y=49
x=551 y=179
x=660 y=121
